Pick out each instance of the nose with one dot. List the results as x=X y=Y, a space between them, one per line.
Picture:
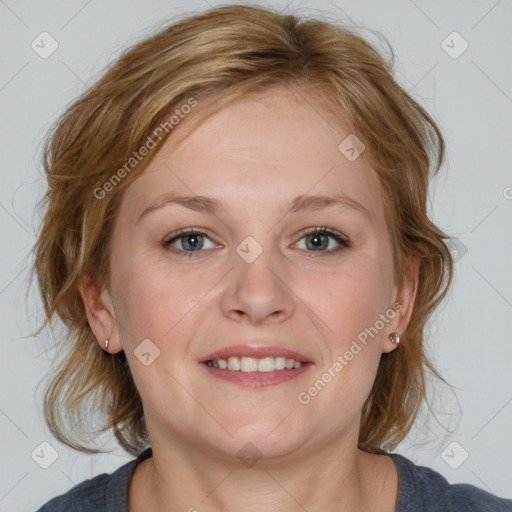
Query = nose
x=259 y=290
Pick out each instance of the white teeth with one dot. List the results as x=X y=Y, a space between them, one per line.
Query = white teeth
x=248 y=364
x=280 y=363
x=234 y=363
x=267 y=364
x=251 y=364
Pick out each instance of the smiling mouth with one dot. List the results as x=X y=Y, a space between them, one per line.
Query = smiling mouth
x=252 y=364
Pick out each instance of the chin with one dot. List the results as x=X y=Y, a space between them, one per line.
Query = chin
x=267 y=435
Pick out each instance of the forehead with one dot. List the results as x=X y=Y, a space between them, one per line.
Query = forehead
x=269 y=148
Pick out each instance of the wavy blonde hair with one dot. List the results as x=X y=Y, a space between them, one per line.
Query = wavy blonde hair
x=223 y=54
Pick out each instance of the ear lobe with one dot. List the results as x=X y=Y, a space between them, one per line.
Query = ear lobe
x=100 y=314
x=405 y=295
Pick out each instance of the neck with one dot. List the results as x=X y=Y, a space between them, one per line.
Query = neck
x=186 y=478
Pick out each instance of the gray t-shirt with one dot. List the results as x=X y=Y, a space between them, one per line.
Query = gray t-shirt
x=421 y=489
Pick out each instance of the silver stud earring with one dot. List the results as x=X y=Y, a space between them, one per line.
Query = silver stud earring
x=106 y=344
x=395 y=337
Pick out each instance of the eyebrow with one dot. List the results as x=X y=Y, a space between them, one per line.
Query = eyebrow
x=301 y=203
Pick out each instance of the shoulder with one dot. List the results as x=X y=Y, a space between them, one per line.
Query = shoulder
x=424 y=490
x=105 y=492
x=88 y=495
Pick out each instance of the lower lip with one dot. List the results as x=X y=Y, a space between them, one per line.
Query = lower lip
x=257 y=379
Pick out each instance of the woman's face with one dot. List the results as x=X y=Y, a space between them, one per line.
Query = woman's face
x=254 y=276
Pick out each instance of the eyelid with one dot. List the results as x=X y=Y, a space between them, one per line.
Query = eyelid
x=322 y=229
x=182 y=232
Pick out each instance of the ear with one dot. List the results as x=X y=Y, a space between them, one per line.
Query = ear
x=403 y=298
x=100 y=314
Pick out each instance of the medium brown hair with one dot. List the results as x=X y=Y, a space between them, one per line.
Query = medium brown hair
x=223 y=54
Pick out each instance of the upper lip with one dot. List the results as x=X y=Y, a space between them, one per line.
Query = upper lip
x=257 y=352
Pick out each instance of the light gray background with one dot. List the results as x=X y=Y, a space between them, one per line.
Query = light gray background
x=469 y=96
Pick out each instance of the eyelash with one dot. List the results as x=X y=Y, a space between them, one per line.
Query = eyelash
x=343 y=242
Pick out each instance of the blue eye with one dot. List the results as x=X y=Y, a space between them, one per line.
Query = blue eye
x=189 y=242
x=320 y=240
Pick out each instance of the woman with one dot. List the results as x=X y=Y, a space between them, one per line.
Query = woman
x=236 y=238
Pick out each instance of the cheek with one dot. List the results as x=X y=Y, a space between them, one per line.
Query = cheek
x=351 y=310
x=350 y=299
x=152 y=300
x=354 y=309
x=161 y=306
